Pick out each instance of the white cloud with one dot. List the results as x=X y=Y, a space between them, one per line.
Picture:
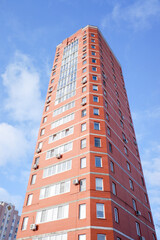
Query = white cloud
x=136 y=16
x=22 y=88
x=13 y=144
x=16 y=200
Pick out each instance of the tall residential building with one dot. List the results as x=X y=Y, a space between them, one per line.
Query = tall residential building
x=9 y=221
x=86 y=181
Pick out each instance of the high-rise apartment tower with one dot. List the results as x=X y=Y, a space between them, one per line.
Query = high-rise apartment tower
x=86 y=181
x=9 y=221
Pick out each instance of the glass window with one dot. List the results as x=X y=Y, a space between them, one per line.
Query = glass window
x=131 y=184
x=93 y=53
x=95 y=99
x=24 y=224
x=83 y=162
x=128 y=167
x=84 y=100
x=99 y=184
x=101 y=237
x=83 y=113
x=116 y=215
x=29 y=199
x=96 y=111
x=83 y=127
x=42 y=131
x=82 y=237
x=113 y=188
x=95 y=88
x=112 y=166
x=96 y=126
x=94 y=69
x=97 y=142
x=93 y=60
x=47 y=108
x=93 y=46
x=134 y=205
x=107 y=116
x=105 y=93
x=92 y=40
x=146 y=198
x=121 y=123
x=33 y=179
x=84 y=62
x=45 y=119
x=149 y=217
x=83 y=143
x=109 y=131
x=92 y=35
x=84 y=89
x=84 y=42
x=100 y=210
x=94 y=77
x=110 y=147
x=84 y=70
x=82 y=185
x=98 y=161
x=82 y=211
x=138 y=229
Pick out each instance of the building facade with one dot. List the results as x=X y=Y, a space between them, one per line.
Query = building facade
x=86 y=181
x=9 y=221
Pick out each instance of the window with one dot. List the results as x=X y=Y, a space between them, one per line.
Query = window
x=106 y=104
x=100 y=210
x=93 y=53
x=116 y=215
x=84 y=48
x=154 y=238
x=112 y=166
x=134 y=204
x=109 y=131
x=94 y=69
x=33 y=179
x=95 y=88
x=84 y=89
x=83 y=143
x=84 y=42
x=94 y=77
x=105 y=94
x=93 y=60
x=92 y=35
x=84 y=55
x=83 y=113
x=83 y=127
x=98 y=161
x=101 y=237
x=82 y=211
x=99 y=184
x=63 y=108
x=95 y=99
x=138 y=229
x=96 y=111
x=118 y=102
x=107 y=116
x=93 y=46
x=92 y=40
x=42 y=131
x=83 y=162
x=97 y=142
x=128 y=167
x=29 y=199
x=125 y=150
x=60 y=149
x=121 y=124
x=84 y=70
x=47 y=108
x=131 y=184
x=118 y=238
x=52 y=80
x=84 y=100
x=142 y=181
x=96 y=126
x=146 y=198
x=82 y=185
x=84 y=62
x=82 y=237
x=64 y=133
x=149 y=217
x=113 y=188
x=40 y=145
x=24 y=224
x=110 y=147
x=45 y=119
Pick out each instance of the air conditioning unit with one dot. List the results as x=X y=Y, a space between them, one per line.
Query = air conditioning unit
x=142 y=238
x=138 y=213
x=83 y=103
x=76 y=181
x=33 y=227
x=35 y=166
x=48 y=101
x=50 y=90
x=58 y=155
x=84 y=81
x=38 y=150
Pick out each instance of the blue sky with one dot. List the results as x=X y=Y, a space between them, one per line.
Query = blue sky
x=29 y=34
